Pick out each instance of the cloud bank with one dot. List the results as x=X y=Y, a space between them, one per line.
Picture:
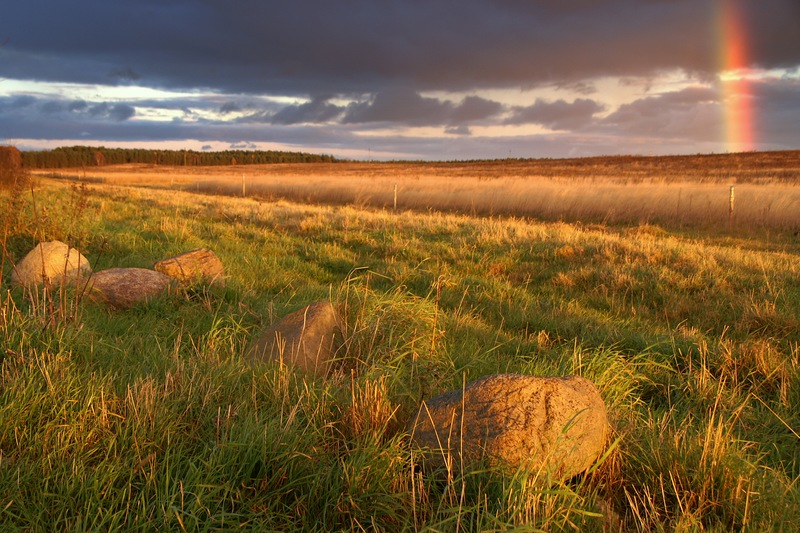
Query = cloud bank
x=433 y=79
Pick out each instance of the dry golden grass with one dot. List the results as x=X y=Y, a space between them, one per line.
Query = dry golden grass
x=686 y=190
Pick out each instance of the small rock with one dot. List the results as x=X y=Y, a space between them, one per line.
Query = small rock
x=51 y=262
x=122 y=288
x=559 y=424
x=307 y=339
x=193 y=267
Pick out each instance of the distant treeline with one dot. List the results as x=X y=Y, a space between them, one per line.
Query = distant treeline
x=88 y=156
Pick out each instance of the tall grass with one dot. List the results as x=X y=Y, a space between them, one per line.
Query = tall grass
x=151 y=419
x=691 y=191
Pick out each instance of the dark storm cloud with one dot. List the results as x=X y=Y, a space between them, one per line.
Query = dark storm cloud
x=229 y=107
x=77 y=105
x=401 y=106
x=15 y=126
x=475 y=108
x=31 y=109
x=778 y=104
x=386 y=58
x=318 y=110
x=361 y=46
x=406 y=106
x=118 y=112
x=53 y=107
x=18 y=102
x=124 y=75
x=692 y=113
x=558 y=115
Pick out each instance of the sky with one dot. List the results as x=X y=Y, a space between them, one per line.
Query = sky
x=403 y=79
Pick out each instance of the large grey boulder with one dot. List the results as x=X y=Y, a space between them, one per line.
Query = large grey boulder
x=307 y=339
x=51 y=262
x=122 y=288
x=511 y=420
x=200 y=266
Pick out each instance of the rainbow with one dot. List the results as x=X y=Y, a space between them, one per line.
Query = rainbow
x=735 y=85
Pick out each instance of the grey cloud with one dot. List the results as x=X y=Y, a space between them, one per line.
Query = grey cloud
x=604 y=139
x=64 y=109
x=558 y=115
x=549 y=145
x=791 y=73
x=405 y=106
x=77 y=105
x=124 y=75
x=55 y=128
x=229 y=107
x=772 y=32
x=21 y=102
x=13 y=104
x=255 y=106
x=400 y=106
x=580 y=87
x=121 y=112
x=691 y=113
x=256 y=117
x=777 y=113
x=253 y=46
x=658 y=105
x=190 y=104
x=243 y=146
x=316 y=111
x=118 y=112
x=462 y=129
x=53 y=107
x=474 y=108
x=387 y=57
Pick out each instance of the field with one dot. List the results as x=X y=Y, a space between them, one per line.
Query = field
x=687 y=320
x=689 y=191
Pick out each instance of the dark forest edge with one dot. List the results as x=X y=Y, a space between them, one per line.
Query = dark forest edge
x=91 y=156
x=781 y=166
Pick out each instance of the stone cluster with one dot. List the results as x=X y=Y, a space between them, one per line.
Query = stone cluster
x=55 y=263
x=553 y=424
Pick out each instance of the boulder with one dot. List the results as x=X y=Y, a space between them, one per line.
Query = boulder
x=511 y=420
x=200 y=266
x=51 y=262
x=122 y=288
x=307 y=339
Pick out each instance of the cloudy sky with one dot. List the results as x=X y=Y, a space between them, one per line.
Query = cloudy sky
x=404 y=79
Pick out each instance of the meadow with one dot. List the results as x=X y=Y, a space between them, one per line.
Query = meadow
x=152 y=419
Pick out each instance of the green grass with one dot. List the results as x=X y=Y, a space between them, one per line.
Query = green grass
x=151 y=419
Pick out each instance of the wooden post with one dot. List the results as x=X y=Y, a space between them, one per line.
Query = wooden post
x=244 y=192
x=730 y=210
x=395 y=197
